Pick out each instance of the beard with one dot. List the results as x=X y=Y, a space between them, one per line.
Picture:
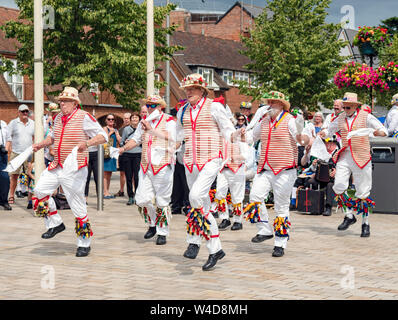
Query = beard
x=273 y=112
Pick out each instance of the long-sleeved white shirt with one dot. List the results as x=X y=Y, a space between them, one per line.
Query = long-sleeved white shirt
x=218 y=113
x=391 y=122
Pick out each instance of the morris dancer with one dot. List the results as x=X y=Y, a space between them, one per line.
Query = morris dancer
x=157 y=167
x=202 y=123
x=354 y=158
x=279 y=133
x=72 y=127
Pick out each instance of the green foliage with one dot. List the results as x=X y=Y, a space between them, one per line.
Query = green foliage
x=296 y=52
x=391 y=24
x=94 y=41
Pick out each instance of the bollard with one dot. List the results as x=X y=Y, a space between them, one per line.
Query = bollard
x=100 y=191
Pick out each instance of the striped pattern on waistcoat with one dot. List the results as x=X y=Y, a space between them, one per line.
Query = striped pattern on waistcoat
x=203 y=141
x=67 y=136
x=233 y=154
x=359 y=146
x=149 y=142
x=278 y=147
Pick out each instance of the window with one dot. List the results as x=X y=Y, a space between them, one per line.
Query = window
x=207 y=75
x=253 y=81
x=15 y=81
x=241 y=76
x=228 y=76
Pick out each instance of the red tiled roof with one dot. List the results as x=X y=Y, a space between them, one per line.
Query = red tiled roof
x=6 y=94
x=7 y=45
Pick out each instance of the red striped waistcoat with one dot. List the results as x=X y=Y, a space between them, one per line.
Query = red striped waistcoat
x=359 y=146
x=149 y=142
x=67 y=136
x=278 y=147
x=203 y=141
x=232 y=152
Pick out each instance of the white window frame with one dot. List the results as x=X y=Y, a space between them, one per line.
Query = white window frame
x=228 y=77
x=207 y=74
x=15 y=81
x=242 y=76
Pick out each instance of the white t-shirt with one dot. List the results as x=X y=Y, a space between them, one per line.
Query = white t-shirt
x=21 y=134
x=4 y=133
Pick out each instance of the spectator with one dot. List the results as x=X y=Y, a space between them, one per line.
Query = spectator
x=318 y=121
x=241 y=121
x=245 y=109
x=126 y=123
x=110 y=163
x=21 y=130
x=131 y=159
x=391 y=122
x=4 y=177
x=144 y=112
x=52 y=111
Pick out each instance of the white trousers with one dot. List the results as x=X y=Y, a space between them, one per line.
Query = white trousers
x=155 y=186
x=73 y=187
x=362 y=178
x=199 y=184
x=236 y=184
x=281 y=185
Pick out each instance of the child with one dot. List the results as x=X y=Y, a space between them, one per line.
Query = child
x=31 y=175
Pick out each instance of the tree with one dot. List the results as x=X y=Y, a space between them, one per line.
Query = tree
x=391 y=24
x=94 y=41
x=296 y=52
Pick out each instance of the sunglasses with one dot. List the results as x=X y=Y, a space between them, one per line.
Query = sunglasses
x=25 y=111
x=346 y=108
x=111 y=119
x=151 y=106
x=241 y=119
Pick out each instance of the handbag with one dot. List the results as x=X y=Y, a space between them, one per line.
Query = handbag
x=322 y=172
x=107 y=151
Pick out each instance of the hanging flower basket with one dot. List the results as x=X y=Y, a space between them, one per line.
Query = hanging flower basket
x=370 y=40
x=389 y=75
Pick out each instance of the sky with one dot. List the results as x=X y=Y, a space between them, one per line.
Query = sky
x=362 y=12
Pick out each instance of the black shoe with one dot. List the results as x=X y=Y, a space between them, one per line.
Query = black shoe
x=260 y=238
x=212 y=261
x=236 y=226
x=6 y=206
x=328 y=211
x=365 y=230
x=150 y=233
x=176 y=211
x=119 y=194
x=53 y=231
x=278 y=252
x=224 y=224
x=30 y=205
x=19 y=194
x=346 y=223
x=82 y=251
x=192 y=251
x=161 y=240
x=130 y=202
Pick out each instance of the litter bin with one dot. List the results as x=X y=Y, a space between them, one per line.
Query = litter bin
x=384 y=174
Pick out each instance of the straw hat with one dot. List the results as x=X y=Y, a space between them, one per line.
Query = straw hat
x=53 y=107
x=276 y=96
x=155 y=99
x=394 y=99
x=69 y=93
x=194 y=80
x=350 y=99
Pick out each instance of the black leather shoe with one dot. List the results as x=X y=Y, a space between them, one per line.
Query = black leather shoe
x=19 y=194
x=278 y=252
x=161 y=240
x=327 y=212
x=53 y=231
x=260 y=238
x=212 y=261
x=365 y=230
x=6 y=206
x=192 y=251
x=236 y=226
x=224 y=224
x=29 y=206
x=82 y=251
x=346 y=223
x=150 y=233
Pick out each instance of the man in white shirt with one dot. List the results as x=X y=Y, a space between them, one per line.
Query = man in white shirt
x=73 y=127
x=157 y=135
x=354 y=158
x=4 y=177
x=391 y=122
x=337 y=109
x=22 y=130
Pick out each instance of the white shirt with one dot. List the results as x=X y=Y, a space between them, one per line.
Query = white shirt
x=170 y=128
x=391 y=121
x=218 y=113
x=91 y=127
x=4 y=133
x=21 y=135
x=371 y=122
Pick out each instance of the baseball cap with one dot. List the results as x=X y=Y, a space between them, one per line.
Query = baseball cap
x=23 y=107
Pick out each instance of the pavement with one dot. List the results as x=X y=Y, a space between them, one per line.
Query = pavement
x=320 y=262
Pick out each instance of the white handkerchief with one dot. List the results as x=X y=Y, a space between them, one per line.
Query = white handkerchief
x=257 y=116
x=318 y=150
x=299 y=123
x=15 y=163
x=153 y=115
x=157 y=154
x=361 y=133
x=70 y=165
x=114 y=152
